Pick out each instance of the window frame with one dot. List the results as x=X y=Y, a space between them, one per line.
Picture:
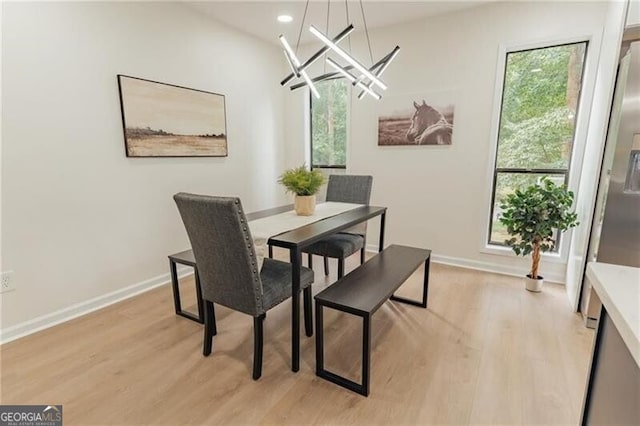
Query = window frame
x=583 y=110
x=348 y=133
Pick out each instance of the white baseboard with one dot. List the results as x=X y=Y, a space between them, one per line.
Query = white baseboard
x=477 y=265
x=49 y=320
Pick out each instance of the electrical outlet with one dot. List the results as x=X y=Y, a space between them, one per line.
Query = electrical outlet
x=6 y=282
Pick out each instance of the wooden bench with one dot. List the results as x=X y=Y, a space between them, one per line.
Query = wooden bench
x=361 y=293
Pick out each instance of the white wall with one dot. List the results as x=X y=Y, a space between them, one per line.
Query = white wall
x=79 y=219
x=438 y=197
x=633 y=14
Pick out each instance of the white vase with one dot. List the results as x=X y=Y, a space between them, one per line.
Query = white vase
x=305 y=205
x=534 y=285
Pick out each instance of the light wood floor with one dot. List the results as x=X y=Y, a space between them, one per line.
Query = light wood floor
x=485 y=352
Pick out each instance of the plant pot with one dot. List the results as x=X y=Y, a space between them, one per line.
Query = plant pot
x=534 y=285
x=305 y=205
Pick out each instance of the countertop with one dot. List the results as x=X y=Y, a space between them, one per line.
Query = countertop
x=619 y=290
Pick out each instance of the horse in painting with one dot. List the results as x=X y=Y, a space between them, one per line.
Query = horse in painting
x=429 y=126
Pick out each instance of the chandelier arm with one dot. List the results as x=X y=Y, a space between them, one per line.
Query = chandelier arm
x=347 y=57
x=295 y=63
x=304 y=16
x=366 y=31
x=354 y=81
x=382 y=65
x=384 y=61
x=323 y=77
x=341 y=70
x=317 y=55
x=291 y=64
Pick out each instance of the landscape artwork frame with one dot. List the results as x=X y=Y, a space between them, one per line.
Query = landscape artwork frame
x=417 y=119
x=166 y=120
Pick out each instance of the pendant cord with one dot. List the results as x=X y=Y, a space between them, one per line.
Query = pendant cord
x=366 y=30
x=346 y=8
x=328 y=13
x=302 y=25
x=324 y=68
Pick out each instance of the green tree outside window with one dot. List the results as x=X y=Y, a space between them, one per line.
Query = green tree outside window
x=329 y=124
x=537 y=121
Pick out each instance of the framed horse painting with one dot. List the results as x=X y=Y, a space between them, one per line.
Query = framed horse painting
x=164 y=120
x=411 y=120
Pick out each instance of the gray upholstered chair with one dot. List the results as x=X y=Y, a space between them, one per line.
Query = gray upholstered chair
x=346 y=189
x=227 y=267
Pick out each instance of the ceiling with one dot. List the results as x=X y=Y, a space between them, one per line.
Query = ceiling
x=259 y=17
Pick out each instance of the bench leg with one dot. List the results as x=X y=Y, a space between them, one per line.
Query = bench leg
x=425 y=289
x=176 y=289
x=340 y=267
x=366 y=353
x=177 y=303
x=319 y=340
x=270 y=252
x=425 y=282
x=361 y=388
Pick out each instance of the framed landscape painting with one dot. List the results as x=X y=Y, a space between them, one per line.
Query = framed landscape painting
x=424 y=119
x=163 y=120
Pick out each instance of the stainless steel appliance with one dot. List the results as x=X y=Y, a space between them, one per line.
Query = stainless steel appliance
x=615 y=235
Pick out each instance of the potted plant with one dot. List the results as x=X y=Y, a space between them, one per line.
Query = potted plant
x=532 y=217
x=304 y=184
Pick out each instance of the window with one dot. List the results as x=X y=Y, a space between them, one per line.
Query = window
x=540 y=98
x=329 y=125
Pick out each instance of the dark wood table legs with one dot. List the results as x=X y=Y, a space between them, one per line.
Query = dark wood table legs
x=296 y=260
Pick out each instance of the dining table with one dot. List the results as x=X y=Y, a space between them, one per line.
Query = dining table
x=296 y=240
x=280 y=227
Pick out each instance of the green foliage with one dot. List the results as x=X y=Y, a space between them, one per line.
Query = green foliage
x=533 y=215
x=539 y=106
x=542 y=142
x=329 y=124
x=301 y=181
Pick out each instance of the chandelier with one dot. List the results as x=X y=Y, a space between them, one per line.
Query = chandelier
x=368 y=79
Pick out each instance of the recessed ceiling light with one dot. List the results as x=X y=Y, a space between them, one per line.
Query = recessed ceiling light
x=285 y=18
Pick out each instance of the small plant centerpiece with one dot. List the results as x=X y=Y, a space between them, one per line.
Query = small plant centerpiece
x=532 y=217
x=304 y=184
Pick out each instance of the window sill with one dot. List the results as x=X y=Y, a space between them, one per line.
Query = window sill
x=508 y=252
